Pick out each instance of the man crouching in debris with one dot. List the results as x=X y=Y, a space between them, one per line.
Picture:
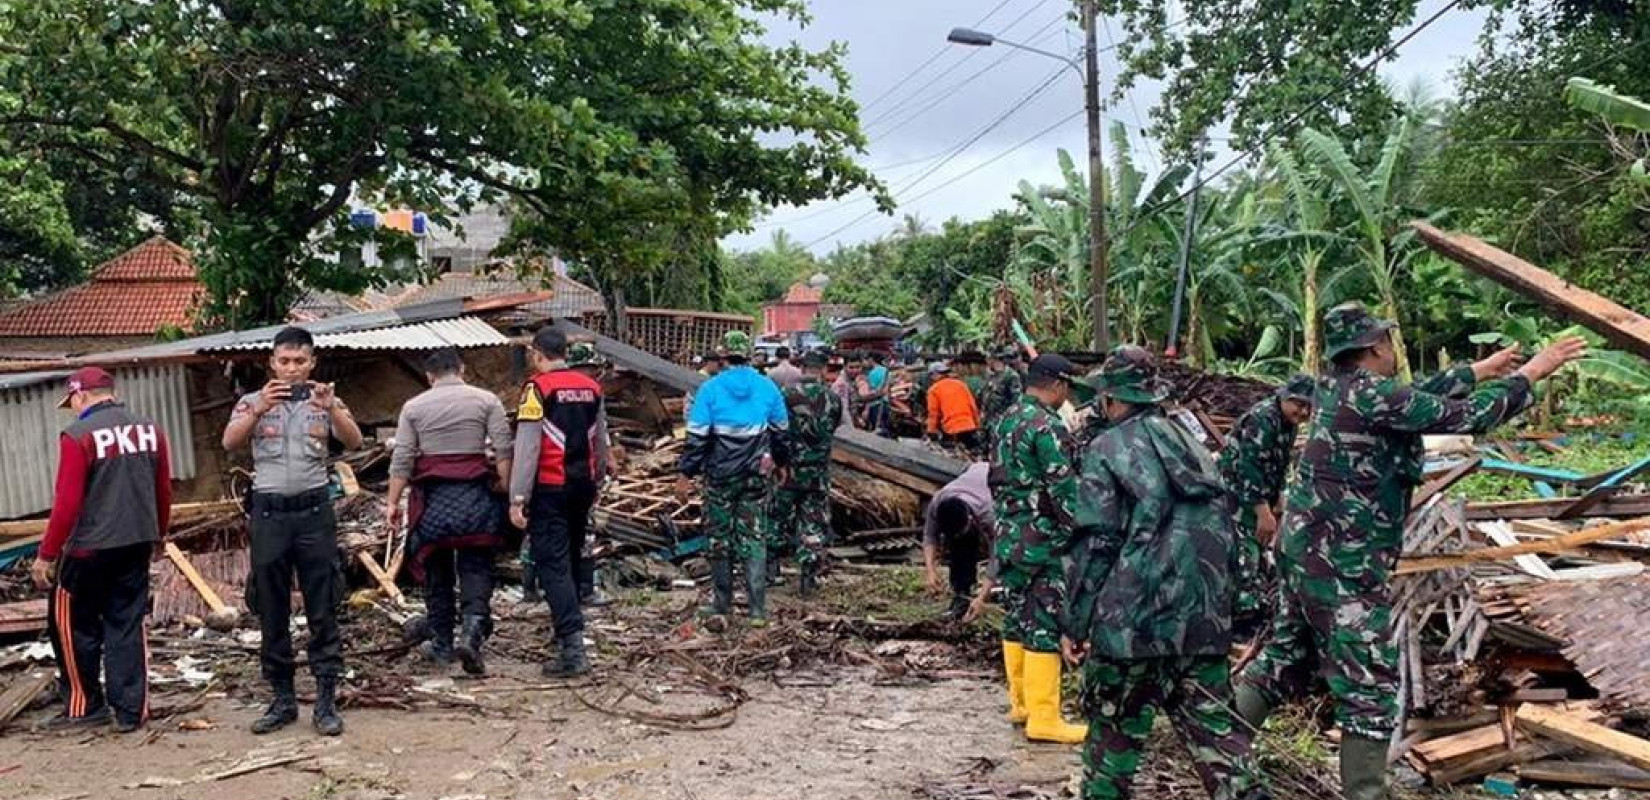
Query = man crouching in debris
x=1343 y=525
x=1149 y=616
x=441 y=451
x=737 y=440
x=1034 y=491
x=561 y=457
x=114 y=494
x=290 y=423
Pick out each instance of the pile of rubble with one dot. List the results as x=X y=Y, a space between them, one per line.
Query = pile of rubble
x=1520 y=626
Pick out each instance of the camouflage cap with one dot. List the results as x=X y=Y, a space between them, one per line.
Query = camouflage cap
x=1007 y=354
x=736 y=343
x=1301 y=387
x=1350 y=326
x=1129 y=375
x=583 y=354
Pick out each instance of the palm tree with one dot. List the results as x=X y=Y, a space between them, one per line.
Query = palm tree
x=1308 y=224
x=1382 y=239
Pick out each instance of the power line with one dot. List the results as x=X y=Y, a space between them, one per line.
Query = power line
x=1000 y=156
x=1139 y=121
x=958 y=150
x=947 y=71
x=952 y=91
x=931 y=59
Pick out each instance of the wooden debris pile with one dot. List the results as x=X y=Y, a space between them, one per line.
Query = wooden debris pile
x=1520 y=627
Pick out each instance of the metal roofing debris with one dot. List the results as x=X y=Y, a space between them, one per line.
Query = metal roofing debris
x=460 y=332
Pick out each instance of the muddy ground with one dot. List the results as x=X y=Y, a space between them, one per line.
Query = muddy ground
x=814 y=715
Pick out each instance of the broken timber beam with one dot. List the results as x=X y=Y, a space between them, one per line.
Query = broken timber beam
x=925 y=467
x=1622 y=327
x=1557 y=544
x=1577 y=730
x=1614 y=506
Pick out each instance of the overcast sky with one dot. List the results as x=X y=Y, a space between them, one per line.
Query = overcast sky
x=964 y=89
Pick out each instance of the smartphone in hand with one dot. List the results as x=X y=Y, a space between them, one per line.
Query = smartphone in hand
x=298 y=392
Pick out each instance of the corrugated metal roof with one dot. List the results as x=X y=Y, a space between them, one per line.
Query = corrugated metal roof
x=459 y=332
x=31 y=421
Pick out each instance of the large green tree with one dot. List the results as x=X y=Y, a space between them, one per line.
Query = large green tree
x=630 y=131
x=1259 y=63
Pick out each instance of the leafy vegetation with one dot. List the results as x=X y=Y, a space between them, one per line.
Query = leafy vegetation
x=626 y=133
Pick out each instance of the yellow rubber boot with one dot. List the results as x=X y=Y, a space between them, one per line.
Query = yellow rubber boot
x=1042 y=688
x=1014 y=663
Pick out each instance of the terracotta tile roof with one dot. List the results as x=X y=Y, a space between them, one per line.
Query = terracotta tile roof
x=803 y=293
x=136 y=293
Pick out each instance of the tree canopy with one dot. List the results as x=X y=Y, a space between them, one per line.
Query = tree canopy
x=627 y=130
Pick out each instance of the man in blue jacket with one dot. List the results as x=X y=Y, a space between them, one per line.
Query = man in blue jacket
x=737 y=442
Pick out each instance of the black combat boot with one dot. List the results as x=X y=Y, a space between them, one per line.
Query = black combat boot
x=756 y=567
x=572 y=661
x=721 y=585
x=283 y=711
x=808 y=584
x=469 y=644
x=325 y=716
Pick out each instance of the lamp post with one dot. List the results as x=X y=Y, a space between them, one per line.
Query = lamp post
x=1089 y=71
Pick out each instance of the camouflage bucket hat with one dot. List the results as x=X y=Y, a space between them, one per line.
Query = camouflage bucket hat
x=1129 y=375
x=1300 y=387
x=736 y=343
x=1350 y=326
x=583 y=354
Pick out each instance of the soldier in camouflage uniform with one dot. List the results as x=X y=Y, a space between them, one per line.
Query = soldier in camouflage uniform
x=1253 y=465
x=802 y=505
x=1033 y=490
x=1003 y=386
x=1343 y=526
x=737 y=441
x=1149 y=617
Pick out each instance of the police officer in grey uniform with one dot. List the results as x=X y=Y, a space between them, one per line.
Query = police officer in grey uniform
x=290 y=424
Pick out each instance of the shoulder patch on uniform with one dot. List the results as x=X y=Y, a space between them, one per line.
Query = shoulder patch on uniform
x=532 y=406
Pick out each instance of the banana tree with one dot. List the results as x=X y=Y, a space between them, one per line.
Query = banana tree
x=1308 y=225
x=1383 y=242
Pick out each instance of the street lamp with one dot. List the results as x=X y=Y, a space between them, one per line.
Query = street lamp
x=1090 y=73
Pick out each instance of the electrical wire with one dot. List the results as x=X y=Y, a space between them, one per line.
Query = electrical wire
x=956 y=151
x=947 y=71
x=931 y=59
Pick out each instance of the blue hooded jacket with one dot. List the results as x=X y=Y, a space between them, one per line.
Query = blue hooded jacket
x=737 y=418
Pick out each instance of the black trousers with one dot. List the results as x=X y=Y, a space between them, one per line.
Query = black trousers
x=96 y=613
x=556 y=527
x=962 y=555
x=470 y=571
x=296 y=536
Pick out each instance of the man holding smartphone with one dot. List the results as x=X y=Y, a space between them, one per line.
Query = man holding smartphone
x=289 y=424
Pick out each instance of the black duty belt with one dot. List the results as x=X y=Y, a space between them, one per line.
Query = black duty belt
x=304 y=501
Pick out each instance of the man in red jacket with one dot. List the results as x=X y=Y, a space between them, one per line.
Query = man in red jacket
x=114 y=496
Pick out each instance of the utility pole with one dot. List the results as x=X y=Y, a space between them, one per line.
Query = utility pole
x=1099 y=268
x=1187 y=237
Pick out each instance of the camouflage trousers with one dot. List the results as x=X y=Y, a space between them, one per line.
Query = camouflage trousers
x=1031 y=606
x=1257 y=581
x=1121 y=698
x=1339 y=627
x=801 y=520
x=736 y=517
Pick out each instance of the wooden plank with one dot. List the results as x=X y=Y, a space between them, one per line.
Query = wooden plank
x=1409 y=566
x=1531 y=472
x=1637 y=505
x=21 y=693
x=23 y=616
x=181 y=513
x=378 y=574
x=1622 y=327
x=1501 y=534
x=193 y=575
x=1443 y=482
x=1575 y=729
x=892 y=475
x=1602 y=774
